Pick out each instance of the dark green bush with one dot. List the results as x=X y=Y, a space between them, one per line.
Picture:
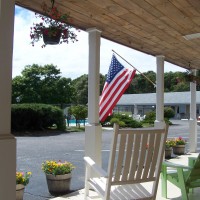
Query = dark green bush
x=117 y=121
x=129 y=121
x=168 y=112
x=36 y=117
x=107 y=121
x=150 y=117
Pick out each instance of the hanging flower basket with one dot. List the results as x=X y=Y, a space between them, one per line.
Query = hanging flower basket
x=51 y=39
x=53 y=27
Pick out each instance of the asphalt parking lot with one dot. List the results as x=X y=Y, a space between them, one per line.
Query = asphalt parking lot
x=32 y=151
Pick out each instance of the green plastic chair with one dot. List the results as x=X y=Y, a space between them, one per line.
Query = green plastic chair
x=184 y=177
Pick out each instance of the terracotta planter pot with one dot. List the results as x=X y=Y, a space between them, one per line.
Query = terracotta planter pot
x=179 y=149
x=168 y=152
x=19 y=191
x=59 y=184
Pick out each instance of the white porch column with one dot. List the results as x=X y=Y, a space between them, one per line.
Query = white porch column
x=7 y=141
x=159 y=122
x=193 y=121
x=93 y=131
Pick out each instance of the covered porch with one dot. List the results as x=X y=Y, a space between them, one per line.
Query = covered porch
x=173 y=192
x=159 y=28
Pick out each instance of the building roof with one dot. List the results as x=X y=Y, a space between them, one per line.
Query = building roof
x=170 y=98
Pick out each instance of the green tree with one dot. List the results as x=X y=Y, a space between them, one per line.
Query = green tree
x=140 y=84
x=182 y=86
x=42 y=84
x=81 y=88
x=79 y=112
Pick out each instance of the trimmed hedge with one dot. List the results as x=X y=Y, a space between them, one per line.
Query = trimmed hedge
x=36 y=117
x=129 y=121
x=123 y=121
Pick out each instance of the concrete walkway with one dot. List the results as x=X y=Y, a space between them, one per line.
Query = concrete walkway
x=173 y=192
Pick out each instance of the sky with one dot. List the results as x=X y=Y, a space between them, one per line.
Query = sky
x=72 y=58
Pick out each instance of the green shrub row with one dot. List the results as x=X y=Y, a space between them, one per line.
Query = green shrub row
x=36 y=117
x=122 y=120
x=151 y=116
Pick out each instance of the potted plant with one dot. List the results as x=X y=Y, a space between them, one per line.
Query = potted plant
x=58 y=176
x=53 y=27
x=168 y=147
x=179 y=147
x=22 y=179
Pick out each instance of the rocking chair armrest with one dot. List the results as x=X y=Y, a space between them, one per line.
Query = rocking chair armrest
x=174 y=165
x=95 y=167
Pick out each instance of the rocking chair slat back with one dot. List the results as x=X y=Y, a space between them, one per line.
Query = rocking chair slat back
x=136 y=156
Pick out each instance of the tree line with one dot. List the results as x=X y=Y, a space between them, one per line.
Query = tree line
x=45 y=84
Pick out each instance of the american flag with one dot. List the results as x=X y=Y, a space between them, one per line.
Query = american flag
x=118 y=80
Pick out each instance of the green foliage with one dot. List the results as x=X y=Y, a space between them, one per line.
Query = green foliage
x=42 y=84
x=150 y=117
x=23 y=178
x=182 y=86
x=79 y=112
x=169 y=143
x=179 y=141
x=36 y=117
x=117 y=121
x=80 y=85
x=167 y=121
x=140 y=84
x=168 y=112
x=129 y=121
x=57 y=167
x=81 y=89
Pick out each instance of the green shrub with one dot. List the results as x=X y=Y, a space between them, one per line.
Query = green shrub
x=150 y=117
x=168 y=112
x=117 y=121
x=107 y=121
x=135 y=124
x=36 y=117
x=128 y=121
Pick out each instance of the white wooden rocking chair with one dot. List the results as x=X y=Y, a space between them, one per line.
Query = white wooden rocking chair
x=134 y=166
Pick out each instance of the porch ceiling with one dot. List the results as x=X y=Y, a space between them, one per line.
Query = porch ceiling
x=155 y=27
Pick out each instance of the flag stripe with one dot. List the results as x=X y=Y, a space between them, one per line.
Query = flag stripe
x=112 y=89
x=109 y=88
x=118 y=80
x=117 y=93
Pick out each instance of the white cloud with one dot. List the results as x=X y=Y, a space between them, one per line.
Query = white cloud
x=72 y=58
